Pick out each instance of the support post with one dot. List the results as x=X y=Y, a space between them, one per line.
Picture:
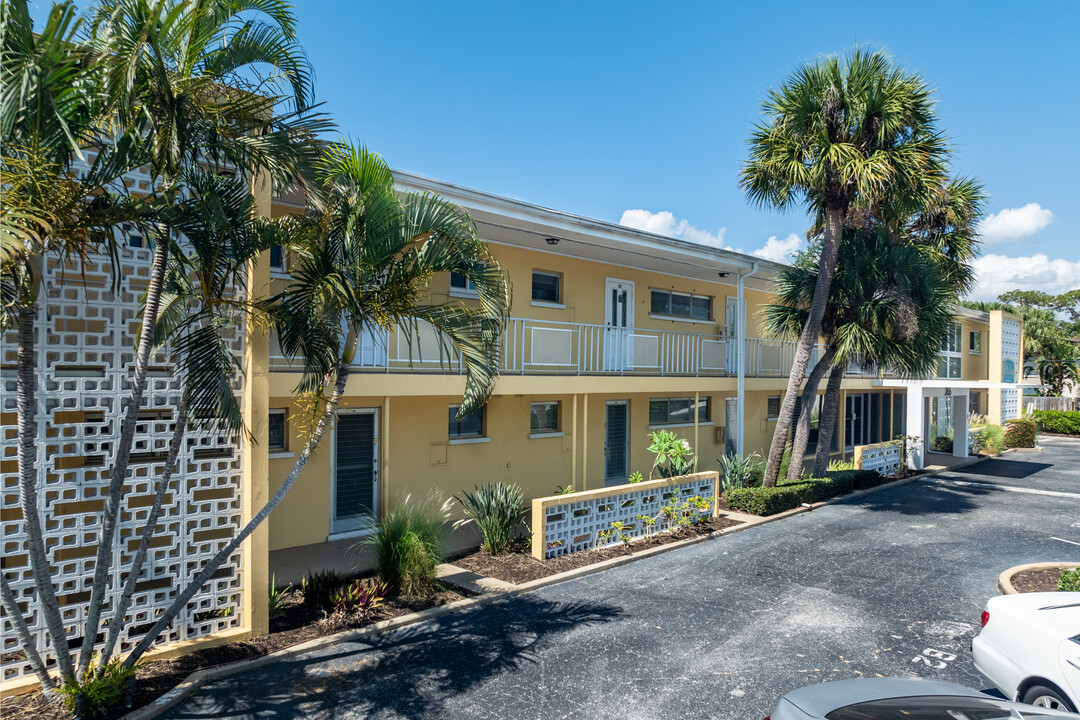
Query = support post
x=740 y=339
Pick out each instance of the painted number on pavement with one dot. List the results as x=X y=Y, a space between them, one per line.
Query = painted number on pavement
x=936 y=659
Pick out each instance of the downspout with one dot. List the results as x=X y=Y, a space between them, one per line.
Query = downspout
x=740 y=338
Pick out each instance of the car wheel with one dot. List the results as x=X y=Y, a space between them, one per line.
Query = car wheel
x=1042 y=696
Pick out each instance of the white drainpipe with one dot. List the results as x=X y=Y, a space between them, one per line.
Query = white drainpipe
x=740 y=338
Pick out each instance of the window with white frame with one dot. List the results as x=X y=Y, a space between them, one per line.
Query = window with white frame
x=544 y=417
x=681 y=305
x=277 y=258
x=677 y=411
x=469 y=426
x=975 y=341
x=277 y=437
x=546 y=287
x=949 y=353
x=461 y=286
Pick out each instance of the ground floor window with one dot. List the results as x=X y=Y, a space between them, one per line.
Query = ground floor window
x=278 y=439
x=677 y=411
x=544 y=417
x=471 y=425
x=772 y=410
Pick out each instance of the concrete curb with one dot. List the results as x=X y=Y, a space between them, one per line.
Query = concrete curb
x=490 y=590
x=1005 y=586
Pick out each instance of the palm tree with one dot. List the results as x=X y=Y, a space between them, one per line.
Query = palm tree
x=183 y=76
x=889 y=304
x=841 y=137
x=361 y=262
x=1058 y=367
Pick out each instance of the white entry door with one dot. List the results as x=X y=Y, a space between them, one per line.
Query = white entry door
x=354 y=487
x=619 y=324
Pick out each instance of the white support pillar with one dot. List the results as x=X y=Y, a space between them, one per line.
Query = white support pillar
x=960 y=423
x=740 y=339
x=914 y=426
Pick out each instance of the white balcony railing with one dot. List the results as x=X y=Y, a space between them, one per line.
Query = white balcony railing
x=539 y=347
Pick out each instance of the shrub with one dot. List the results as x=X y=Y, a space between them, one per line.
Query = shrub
x=100 y=691
x=408 y=544
x=1069 y=581
x=674 y=456
x=276 y=598
x=635 y=477
x=838 y=465
x=739 y=472
x=1020 y=433
x=319 y=586
x=1062 y=422
x=360 y=596
x=859 y=479
x=564 y=489
x=497 y=511
x=988 y=439
x=788 y=495
x=943 y=443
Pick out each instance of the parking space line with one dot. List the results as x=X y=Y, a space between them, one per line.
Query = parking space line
x=995 y=486
x=1071 y=542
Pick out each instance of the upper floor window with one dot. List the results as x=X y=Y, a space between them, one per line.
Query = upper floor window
x=949 y=353
x=546 y=287
x=677 y=411
x=681 y=305
x=975 y=341
x=471 y=425
x=277 y=258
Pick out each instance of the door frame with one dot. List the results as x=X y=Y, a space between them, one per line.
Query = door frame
x=626 y=455
x=355 y=529
x=618 y=340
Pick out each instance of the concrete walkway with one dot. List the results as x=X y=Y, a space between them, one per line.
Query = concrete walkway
x=890 y=583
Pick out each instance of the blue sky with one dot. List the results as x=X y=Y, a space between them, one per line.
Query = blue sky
x=599 y=108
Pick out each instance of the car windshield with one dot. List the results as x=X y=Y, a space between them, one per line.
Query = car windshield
x=933 y=708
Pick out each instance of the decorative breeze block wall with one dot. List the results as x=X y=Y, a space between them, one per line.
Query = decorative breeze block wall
x=884 y=458
x=85 y=357
x=1010 y=350
x=563 y=524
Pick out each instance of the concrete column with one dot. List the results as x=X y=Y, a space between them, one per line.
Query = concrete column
x=914 y=426
x=960 y=424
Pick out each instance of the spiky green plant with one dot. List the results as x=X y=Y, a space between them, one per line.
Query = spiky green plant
x=497 y=510
x=409 y=543
x=738 y=472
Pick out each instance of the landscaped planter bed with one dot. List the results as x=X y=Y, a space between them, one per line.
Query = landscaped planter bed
x=521 y=567
x=1037 y=580
x=299 y=623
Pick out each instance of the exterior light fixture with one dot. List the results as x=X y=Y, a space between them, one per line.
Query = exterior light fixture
x=552 y=241
x=723 y=274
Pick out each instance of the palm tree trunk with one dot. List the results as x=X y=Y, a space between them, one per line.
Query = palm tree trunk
x=28 y=492
x=809 y=398
x=22 y=633
x=118 y=619
x=827 y=423
x=215 y=562
x=111 y=513
x=830 y=249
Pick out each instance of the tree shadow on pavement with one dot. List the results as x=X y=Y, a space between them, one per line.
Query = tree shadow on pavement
x=1013 y=469
x=922 y=498
x=409 y=673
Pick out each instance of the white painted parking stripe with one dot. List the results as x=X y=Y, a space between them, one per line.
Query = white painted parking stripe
x=1071 y=542
x=995 y=486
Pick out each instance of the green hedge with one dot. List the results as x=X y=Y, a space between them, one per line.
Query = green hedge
x=788 y=495
x=1069 y=581
x=1020 y=433
x=1062 y=422
x=860 y=479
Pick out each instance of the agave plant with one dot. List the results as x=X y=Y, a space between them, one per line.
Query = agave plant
x=497 y=510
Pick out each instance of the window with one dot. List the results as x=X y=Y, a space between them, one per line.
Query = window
x=975 y=341
x=949 y=356
x=544 y=417
x=546 y=287
x=277 y=258
x=677 y=411
x=773 y=409
x=681 y=305
x=278 y=439
x=974 y=405
x=470 y=426
x=461 y=286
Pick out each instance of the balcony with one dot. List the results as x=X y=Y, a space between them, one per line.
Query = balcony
x=538 y=347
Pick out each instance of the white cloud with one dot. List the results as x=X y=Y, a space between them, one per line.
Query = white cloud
x=999 y=273
x=1014 y=223
x=779 y=250
x=665 y=223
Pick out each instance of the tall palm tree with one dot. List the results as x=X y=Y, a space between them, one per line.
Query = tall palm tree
x=184 y=76
x=889 y=305
x=361 y=262
x=841 y=136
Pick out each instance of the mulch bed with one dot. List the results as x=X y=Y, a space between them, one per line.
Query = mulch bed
x=1040 y=580
x=521 y=567
x=299 y=623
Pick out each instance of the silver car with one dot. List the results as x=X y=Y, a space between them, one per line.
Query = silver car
x=901 y=699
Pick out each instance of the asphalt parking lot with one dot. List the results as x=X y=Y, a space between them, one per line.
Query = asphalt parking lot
x=890 y=583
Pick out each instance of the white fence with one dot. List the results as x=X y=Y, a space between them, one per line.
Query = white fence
x=886 y=458
x=563 y=524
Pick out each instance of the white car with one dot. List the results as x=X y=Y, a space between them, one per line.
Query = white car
x=1029 y=648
